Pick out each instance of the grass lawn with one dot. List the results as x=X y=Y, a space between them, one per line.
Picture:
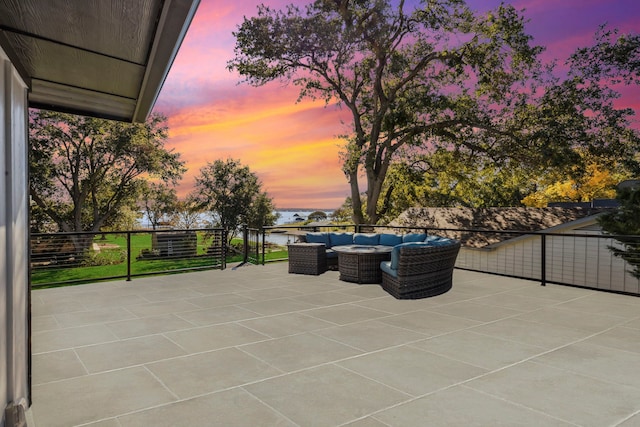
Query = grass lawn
x=110 y=261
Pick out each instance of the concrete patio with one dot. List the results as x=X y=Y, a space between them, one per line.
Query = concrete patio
x=257 y=346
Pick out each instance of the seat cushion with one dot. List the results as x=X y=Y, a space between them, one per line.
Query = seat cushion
x=386 y=267
x=366 y=239
x=390 y=239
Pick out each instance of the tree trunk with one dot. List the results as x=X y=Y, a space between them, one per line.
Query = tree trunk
x=356 y=203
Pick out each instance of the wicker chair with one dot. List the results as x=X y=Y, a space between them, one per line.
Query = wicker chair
x=423 y=271
x=307 y=258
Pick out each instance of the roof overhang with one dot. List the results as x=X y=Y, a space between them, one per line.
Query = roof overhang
x=99 y=58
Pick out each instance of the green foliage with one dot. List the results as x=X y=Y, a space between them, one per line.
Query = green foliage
x=85 y=170
x=233 y=195
x=187 y=213
x=343 y=213
x=317 y=216
x=625 y=221
x=451 y=179
x=104 y=257
x=159 y=202
x=126 y=218
x=262 y=212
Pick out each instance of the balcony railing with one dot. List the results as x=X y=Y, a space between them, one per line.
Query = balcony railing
x=581 y=259
x=66 y=258
x=575 y=259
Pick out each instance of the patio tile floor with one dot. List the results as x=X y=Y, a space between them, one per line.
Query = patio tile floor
x=257 y=346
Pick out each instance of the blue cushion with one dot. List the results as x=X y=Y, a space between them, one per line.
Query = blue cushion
x=441 y=242
x=386 y=267
x=366 y=239
x=340 y=239
x=390 y=239
x=395 y=257
x=318 y=238
x=331 y=253
x=414 y=237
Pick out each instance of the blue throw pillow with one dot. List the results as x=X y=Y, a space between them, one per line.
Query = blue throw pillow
x=366 y=239
x=414 y=237
x=340 y=239
x=390 y=239
x=318 y=238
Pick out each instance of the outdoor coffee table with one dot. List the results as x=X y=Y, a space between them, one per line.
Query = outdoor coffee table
x=361 y=263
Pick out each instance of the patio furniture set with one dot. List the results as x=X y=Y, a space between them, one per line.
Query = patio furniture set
x=408 y=266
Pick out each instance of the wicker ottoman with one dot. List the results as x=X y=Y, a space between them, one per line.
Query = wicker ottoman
x=307 y=258
x=361 y=263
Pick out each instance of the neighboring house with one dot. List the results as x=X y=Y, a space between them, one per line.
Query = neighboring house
x=572 y=259
x=106 y=59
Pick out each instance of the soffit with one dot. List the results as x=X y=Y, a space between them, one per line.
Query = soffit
x=94 y=57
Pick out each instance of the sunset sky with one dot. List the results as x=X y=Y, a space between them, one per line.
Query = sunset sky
x=294 y=148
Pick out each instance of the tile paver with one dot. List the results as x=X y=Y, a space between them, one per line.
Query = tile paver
x=258 y=346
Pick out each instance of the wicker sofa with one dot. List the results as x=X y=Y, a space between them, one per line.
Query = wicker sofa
x=306 y=256
x=420 y=270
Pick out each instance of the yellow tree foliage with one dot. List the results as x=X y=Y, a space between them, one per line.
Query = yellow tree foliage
x=596 y=183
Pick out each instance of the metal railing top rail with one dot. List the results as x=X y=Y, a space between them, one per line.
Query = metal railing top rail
x=96 y=233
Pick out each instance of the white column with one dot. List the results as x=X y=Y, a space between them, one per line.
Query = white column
x=14 y=274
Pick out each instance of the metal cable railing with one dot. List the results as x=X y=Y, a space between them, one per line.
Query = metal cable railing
x=80 y=257
x=576 y=259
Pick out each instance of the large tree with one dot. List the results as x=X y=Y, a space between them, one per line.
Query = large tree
x=233 y=195
x=410 y=78
x=443 y=77
x=84 y=170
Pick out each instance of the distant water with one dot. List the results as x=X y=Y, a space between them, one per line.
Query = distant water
x=288 y=216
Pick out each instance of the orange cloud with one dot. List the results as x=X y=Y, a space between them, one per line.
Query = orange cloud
x=293 y=148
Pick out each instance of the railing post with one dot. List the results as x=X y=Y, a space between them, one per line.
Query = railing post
x=543 y=261
x=245 y=243
x=264 y=246
x=128 y=256
x=223 y=261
